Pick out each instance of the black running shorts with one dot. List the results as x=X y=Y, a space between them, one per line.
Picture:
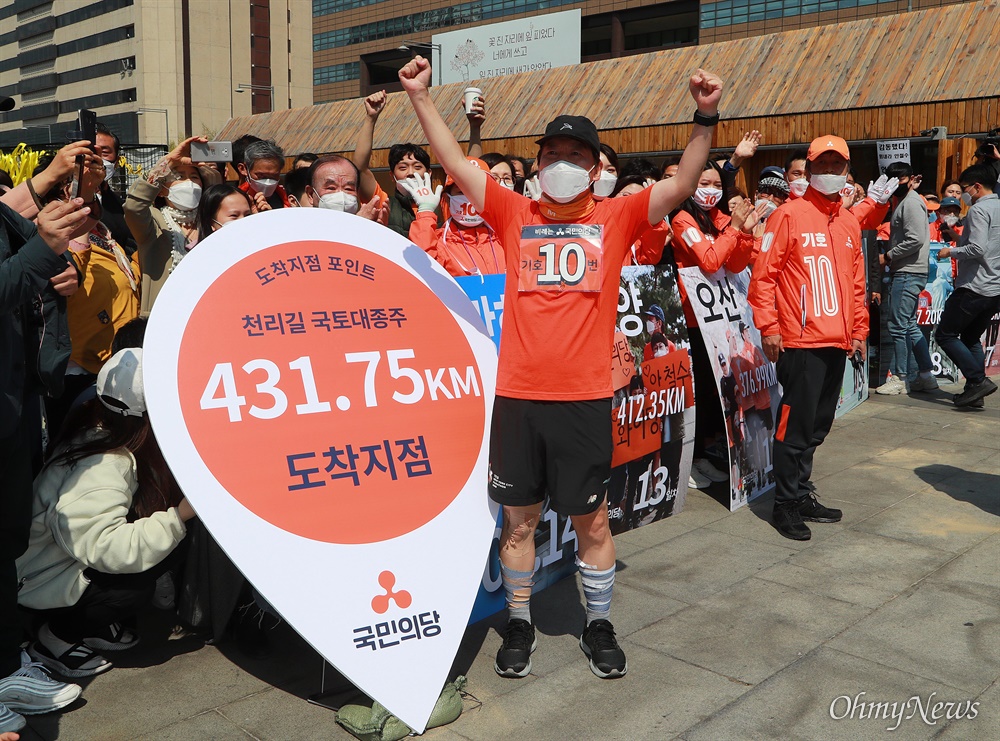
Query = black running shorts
x=558 y=448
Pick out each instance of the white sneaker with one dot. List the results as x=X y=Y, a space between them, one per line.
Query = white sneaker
x=893 y=387
x=10 y=722
x=922 y=383
x=710 y=472
x=30 y=690
x=698 y=481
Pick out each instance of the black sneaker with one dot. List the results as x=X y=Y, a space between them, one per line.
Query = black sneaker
x=514 y=656
x=607 y=660
x=974 y=392
x=810 y=509
x=788 y=521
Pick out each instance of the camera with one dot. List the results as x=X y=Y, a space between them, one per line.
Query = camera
x=986 y=146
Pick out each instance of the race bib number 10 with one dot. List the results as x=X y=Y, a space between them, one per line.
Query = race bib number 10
x=561 y=257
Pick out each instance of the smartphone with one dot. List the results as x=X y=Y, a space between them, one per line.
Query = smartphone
x=86 y=130
x=211 y=151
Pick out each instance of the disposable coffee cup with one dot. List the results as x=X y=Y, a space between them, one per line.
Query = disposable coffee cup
x=471 y=94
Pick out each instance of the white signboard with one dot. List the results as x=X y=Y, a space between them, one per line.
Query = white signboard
x=893 y=150
x=324 y=403
x=509 y=48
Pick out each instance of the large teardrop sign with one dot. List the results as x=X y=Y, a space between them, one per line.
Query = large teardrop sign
x=321 y=390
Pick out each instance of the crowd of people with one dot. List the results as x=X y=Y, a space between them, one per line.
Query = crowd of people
x=94 y=527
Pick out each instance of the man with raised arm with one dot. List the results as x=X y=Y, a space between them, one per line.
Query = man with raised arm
x=551 y=433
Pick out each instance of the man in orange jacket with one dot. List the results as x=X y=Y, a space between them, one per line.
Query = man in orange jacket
x=808 y=299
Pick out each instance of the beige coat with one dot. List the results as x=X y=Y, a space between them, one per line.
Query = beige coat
x=152 y=236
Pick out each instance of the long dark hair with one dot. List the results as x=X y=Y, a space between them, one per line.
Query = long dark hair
x=209 y=205
x=157 y=490
x=700 y=216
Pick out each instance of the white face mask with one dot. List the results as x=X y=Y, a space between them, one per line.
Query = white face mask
x=765 y=207
x=184 y=194
x=464 y=212
x=799 y=187
x=339 y=201
x=660 y=352
x=605 y=184
x=707 y=198
x=266 y=186
x=828 y=185
x=950 y=219
x=109 y=171
x=650 y=326
x=563 y=181
x=508 y=186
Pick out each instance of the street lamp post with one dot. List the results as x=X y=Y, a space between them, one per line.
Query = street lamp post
x=166 y=121
x=243 y=87
x=407 y=45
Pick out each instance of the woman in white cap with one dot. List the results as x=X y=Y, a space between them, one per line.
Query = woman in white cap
x=106 y=517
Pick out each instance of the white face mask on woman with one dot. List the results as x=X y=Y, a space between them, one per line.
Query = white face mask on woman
x=765 y=207
x=563 y=181
x=605 y=184
x=707 y=198
x=339 y=201
x=798 y=187
x=184 y=195
x=464 y=212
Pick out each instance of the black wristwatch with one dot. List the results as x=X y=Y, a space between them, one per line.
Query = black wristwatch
x=702 y=120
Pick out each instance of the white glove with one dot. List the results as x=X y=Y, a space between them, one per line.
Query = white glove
x=882 y=189
x=532 y=189
x=422 y=192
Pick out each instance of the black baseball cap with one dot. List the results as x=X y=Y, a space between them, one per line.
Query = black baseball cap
x=580 y=128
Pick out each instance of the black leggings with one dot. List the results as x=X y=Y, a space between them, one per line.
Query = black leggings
x=709 y=421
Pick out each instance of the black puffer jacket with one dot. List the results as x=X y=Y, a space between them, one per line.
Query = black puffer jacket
x=34 y=332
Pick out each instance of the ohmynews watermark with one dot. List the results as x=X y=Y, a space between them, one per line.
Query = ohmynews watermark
x=930 y=712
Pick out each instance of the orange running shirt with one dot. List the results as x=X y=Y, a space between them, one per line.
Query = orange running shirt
x=556 y=345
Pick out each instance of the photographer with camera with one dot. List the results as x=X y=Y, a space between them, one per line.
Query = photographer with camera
x=989 y=153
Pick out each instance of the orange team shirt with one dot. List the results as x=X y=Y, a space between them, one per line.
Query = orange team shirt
x=649 y=249
x=460 y=251
x=555 y=345
x=732 y=249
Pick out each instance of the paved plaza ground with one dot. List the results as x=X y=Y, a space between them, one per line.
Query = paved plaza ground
x=732 y=631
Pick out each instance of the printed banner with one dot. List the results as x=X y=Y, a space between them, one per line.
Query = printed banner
x=893 y=150
x=325 y=404
x=507 y=48
x=930 y=304
x=745 y=379
x=652 y=457
x=854 y=389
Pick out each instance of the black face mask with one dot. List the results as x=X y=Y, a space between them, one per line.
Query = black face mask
x=902 y=190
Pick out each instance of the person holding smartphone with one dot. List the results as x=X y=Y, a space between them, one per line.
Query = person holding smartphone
x=165 y=233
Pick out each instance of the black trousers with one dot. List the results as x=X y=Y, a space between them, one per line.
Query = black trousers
x=15 y=523
x=811 y=379
x=110 y=598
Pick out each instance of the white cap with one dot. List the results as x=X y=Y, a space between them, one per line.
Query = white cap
x=119 y=383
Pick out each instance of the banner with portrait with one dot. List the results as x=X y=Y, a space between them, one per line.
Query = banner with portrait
x=745 y=379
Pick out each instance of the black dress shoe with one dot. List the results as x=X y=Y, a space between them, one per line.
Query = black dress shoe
x=788 y=521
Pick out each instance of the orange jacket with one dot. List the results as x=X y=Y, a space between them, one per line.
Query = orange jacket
x=693 y=248
x=869 y=213
x=808 y=282
x=649 y=248
x=460 y=250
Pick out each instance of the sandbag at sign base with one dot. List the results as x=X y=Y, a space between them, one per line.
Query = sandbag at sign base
x=375 y=723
